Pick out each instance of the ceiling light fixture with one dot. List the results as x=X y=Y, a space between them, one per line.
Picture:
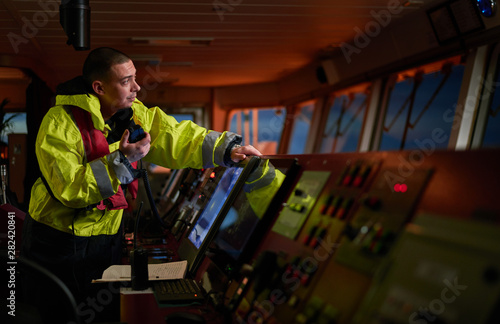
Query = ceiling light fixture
x=74 y=17
x=172 y=41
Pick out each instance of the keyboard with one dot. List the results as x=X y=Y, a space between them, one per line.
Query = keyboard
x=177 y=291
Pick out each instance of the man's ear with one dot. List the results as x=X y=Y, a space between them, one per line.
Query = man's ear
x=98 y=88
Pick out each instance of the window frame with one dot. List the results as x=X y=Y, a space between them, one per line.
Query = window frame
x=324 y=110
x=486 y=98
x=391 y=81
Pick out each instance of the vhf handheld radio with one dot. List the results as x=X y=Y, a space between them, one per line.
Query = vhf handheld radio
x=136 y=133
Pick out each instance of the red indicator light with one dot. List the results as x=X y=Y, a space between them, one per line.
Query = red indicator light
x=400 y=187
x=347 y=180
x=357 y=181
x=212 y=175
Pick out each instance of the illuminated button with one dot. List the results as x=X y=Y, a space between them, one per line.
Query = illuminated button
x=376 y=247
x=309 y=236
x=293 y=301
x=292 y=266
x=344 y=209
x=324 y=208
x=304 y=279
x=347 y=180
x=486 y=7
x=342 y=176
x=316 y=240
x=350 y=175
x=297 y=207
x=335 y=205
x=361 y=177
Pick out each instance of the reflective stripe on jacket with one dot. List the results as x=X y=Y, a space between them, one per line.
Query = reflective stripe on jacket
x=261 y=186
x=96 y=146
x=73 y=179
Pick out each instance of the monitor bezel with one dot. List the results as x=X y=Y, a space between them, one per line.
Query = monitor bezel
x=226 y=263
x=187 y=249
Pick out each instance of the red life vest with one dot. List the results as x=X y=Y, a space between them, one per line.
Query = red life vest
x=96 y=147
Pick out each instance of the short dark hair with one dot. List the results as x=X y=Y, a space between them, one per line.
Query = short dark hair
x=98 y=64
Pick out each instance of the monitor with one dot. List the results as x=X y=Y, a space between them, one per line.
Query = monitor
x=248 y=218
x=192 y=247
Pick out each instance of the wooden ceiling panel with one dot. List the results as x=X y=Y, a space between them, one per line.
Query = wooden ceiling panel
x=253 y=40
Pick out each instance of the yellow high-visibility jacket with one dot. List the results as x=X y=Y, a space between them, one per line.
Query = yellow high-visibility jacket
x=261 y=186
x=77 y=183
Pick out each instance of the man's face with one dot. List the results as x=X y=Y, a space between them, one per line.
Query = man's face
x=120 y=90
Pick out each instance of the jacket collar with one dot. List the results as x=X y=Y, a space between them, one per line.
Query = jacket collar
x=87 y=102
x=74 y=93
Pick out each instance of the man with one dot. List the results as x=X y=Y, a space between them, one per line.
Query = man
x=85 y=157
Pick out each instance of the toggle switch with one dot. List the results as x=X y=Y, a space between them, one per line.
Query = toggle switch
x=310 y=235
x=324 y=208
x=295 y=207
x=353 y=170
x=361 y=176
x=344 y=208
x=318 y=238
x=334 y=206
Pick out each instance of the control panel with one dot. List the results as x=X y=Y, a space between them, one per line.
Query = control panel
x=338 y=239
x=185 y=196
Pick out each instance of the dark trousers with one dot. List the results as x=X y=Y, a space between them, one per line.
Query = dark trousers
x=76 y=261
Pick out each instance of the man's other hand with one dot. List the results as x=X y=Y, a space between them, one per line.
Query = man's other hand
x=135 y=151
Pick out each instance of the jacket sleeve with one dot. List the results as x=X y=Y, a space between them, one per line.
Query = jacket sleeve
x=261 y=186
x=185 y=144
x=75 y=182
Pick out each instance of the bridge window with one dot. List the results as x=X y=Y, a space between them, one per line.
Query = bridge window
x=491 y=137
x=182 y=117
x=301 y=125
x=13 y=123
x=343 y=126
x=260 y=127
x=420 y=103
x=194 y=114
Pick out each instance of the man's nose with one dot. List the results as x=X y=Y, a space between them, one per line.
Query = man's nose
x=136 y=87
